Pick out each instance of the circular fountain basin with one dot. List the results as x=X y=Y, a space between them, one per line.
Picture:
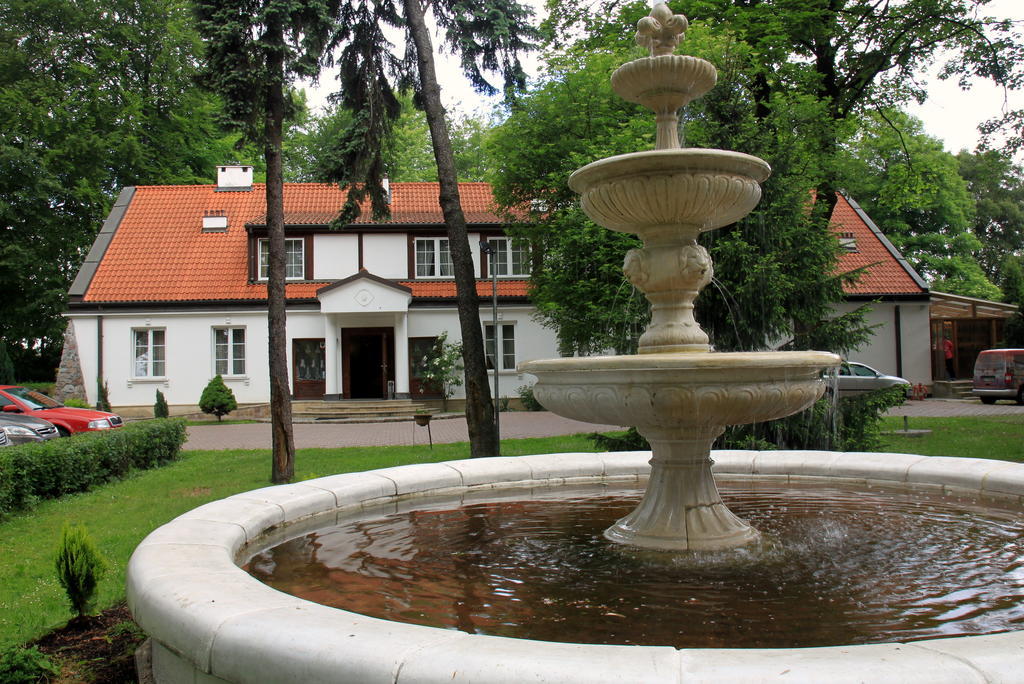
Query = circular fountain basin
x=705 y=189
x=681 y=390
x=210 y=621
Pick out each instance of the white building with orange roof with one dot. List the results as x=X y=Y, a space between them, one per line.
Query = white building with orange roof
x=174 y=292
x=899 y=297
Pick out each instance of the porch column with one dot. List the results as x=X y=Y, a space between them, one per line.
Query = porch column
x=332 y=362
x=402 y=355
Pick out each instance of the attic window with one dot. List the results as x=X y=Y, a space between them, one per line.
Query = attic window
x=215 y=221
x=848 y=242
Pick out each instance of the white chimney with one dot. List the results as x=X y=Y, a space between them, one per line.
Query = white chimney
x=386 y=184
x=234 y=178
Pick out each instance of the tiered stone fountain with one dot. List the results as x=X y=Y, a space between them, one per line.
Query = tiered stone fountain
x=211 y=622
x=678 y=393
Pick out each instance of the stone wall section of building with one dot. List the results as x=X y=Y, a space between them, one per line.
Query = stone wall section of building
x=70 y=381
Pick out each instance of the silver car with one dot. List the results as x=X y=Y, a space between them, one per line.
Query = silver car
x=857 y=378
x=21 y=429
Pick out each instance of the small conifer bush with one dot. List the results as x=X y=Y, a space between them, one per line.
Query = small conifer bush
x=79 y=567
x=160 y=407
x=217 y=398
x=103 y=401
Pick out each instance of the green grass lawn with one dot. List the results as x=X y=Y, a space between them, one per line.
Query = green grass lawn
x=998 y=437
x=120 y=514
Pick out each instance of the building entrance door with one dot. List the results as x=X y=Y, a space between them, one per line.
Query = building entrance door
x=368 y=362
x=309 y=369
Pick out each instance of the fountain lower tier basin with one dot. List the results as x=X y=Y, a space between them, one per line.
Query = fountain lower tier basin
x=837 y=564
x=682 y=390
x=210 y=621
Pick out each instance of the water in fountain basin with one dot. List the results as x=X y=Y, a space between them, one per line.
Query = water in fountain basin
x=836 y=565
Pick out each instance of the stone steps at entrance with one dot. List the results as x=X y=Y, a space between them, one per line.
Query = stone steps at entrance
x=355 y=409
x=953 y=389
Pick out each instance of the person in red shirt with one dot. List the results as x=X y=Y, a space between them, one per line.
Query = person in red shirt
x=947 y=346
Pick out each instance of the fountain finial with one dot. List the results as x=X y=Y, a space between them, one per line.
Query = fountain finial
x=661 y=31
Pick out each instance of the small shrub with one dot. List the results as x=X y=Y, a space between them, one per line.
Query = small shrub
x=630 y=440
x=103 y=400
x=529 y=402
x=217 y=398
x=160 y=407
x=26 y=666
x=79 y=567
x=75 y=402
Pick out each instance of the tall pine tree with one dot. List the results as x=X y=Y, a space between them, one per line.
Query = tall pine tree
x=255 y=51
x=487 y=35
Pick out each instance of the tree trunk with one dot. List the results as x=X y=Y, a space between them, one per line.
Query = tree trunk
x=483 y=433
x=283 y=443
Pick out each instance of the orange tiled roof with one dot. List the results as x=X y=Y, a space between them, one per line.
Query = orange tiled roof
x=160 y=254
x=885 y=274
x=446 y=288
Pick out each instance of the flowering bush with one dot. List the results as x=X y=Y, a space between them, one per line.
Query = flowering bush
x=442 y=367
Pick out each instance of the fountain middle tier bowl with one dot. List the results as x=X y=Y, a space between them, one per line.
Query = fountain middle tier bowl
x=701 y=389
x=701 y=189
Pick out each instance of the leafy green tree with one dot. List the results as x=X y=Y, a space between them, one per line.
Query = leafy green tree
x=7 y=373
x=80 y=567
x=94 y=96
x=254 y=51
x=996 y=184
x=488 y=35
x=217 y=398
x=775 y=272
x=911 y=187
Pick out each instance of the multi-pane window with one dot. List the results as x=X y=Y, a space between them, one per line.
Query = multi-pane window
x=229 y=351
x=149 y=346
x=511 y=257
x=506 y=343
x=294 y=259
x=433 y=260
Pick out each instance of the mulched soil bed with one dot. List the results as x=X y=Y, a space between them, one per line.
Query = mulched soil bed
x=97 y=649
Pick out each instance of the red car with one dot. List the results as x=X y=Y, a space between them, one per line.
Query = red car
x=14 y=399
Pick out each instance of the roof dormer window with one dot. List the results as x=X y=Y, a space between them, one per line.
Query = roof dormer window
x=215 y=221
x=848 y=242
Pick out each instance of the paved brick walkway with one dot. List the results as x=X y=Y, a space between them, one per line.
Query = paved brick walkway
x=515 y=424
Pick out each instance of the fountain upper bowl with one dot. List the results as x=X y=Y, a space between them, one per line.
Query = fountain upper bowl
x=700 y=389
x=701 y=189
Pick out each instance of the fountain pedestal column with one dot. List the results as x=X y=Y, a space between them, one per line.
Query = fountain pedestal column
x=681 y=509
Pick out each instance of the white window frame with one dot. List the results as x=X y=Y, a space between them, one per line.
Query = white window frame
x=231 y=360
x=501 y=261
x=263 y=259
x=507 y=340
x=439 y=246
x=154 y=356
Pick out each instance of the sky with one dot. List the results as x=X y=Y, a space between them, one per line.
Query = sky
x=949 y=114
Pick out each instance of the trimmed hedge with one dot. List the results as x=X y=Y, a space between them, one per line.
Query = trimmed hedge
x=50 y=469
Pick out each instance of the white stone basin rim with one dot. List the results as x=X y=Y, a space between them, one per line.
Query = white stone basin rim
x=696 y=389
x=212 y=622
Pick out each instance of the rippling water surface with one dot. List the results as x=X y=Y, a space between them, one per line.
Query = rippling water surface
x=838 y=565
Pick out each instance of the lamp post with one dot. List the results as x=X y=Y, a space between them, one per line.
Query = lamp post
x=488 y=249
